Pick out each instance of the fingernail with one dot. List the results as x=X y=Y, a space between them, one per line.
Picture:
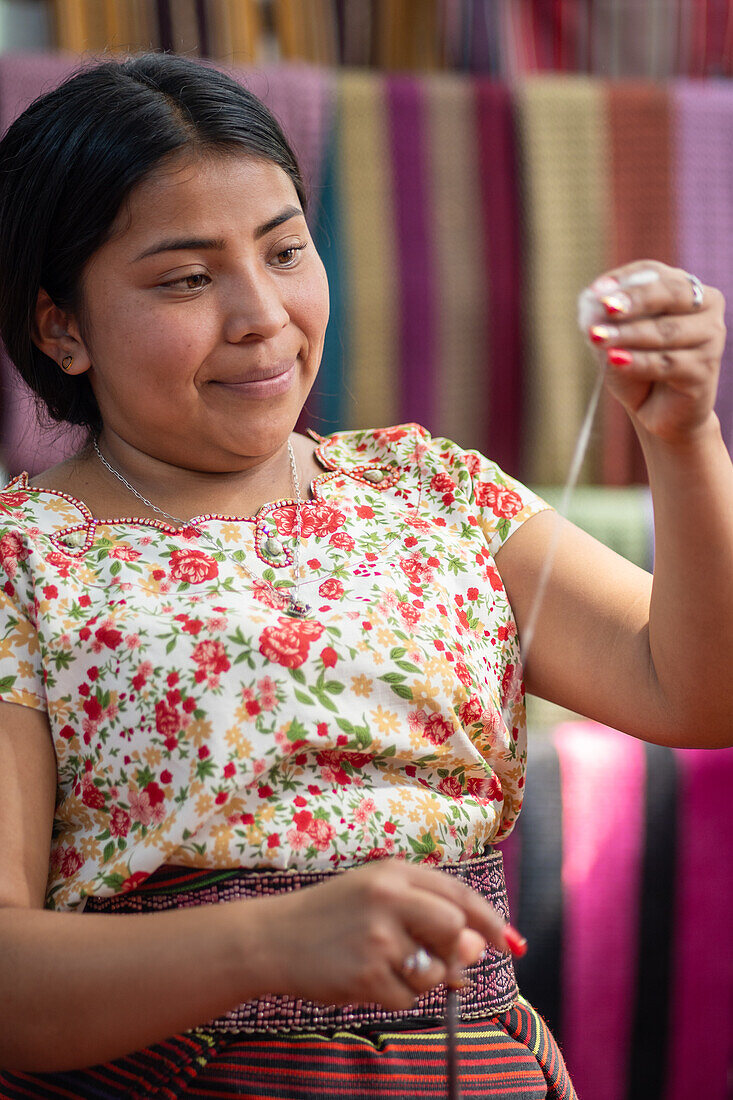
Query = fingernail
x=601 y=334
x=517 y=943
x=616 y=303
x=644 y=277
x=619 y=357
x=605 y=284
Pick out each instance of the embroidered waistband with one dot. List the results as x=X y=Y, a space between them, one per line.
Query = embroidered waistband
x=492 y=988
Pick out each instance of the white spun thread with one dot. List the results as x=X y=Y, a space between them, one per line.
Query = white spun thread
x=581 y=446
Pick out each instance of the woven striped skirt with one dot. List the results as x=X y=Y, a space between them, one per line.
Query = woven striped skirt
x=512 y=1055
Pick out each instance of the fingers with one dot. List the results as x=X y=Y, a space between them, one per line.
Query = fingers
x=477 y=912
x=682 y=331
x=649 y=288
x=680 y=369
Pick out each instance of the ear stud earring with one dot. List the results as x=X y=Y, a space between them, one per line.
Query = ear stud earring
x=66 y=362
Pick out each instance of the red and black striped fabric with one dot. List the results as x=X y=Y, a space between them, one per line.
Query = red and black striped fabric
x=509 y=1057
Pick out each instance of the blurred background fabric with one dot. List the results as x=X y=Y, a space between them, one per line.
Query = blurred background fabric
x=458 y=219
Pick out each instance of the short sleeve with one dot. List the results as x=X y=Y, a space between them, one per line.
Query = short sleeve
x=21 y=669
x=500 y=502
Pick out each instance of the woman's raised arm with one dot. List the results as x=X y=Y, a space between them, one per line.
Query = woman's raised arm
x=652 y=658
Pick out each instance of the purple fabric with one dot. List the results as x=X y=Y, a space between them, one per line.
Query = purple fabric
x=301 y=97
x=702 y=122
x=415 y=259
x=701 y=1046
x=25 y=444
x=602 y=777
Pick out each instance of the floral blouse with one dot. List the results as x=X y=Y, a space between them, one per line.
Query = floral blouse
x=195 y=722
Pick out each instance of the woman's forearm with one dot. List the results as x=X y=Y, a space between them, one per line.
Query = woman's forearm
x=82 y=989
x=691 y=613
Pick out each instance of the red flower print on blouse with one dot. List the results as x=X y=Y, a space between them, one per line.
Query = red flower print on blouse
x=92 y=796
x=329 y=656
x=342 y=541
x=12 y=550
x=321 y=834
x=376 y=853
x=389 y=435
x=330 y=762
x=134 y=881
x=494 y=578
x=124 y=553
x=119 y=822
x=442 y=483
x=60 y=562
x=193 y=566
x=415 y=568
x=287 y=643
x=433 y=727
x=437 y=730
x=470 y=711
x=71 y=861
x=331 y=589
x=211 y=658
x=485 y=789
x=107 y=635
x=472 y=464
x=502 y=501
x=264 y=593
x=451 y=786
x=462 y=671
x=317 y=518
x=168 y=720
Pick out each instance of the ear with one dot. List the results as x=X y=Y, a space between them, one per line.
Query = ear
x=56 y=333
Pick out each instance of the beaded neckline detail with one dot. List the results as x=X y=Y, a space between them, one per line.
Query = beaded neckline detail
x=364 y=473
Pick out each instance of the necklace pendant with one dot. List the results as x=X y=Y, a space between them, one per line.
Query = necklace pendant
x=297 y=609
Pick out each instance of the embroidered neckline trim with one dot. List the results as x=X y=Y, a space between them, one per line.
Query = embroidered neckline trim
x=89 y=523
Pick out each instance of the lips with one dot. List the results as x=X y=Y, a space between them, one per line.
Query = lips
x=259 y=375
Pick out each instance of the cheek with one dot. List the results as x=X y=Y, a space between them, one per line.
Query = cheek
x=310 y=310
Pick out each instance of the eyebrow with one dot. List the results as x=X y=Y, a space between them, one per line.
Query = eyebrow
x=182 y=244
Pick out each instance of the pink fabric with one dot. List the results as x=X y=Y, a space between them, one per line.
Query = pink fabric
x=26 y=445
x=701 y=1046
x=301 y=98
x=702 y=121
x=602 y=779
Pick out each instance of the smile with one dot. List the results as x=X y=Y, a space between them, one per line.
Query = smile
x=268 y=383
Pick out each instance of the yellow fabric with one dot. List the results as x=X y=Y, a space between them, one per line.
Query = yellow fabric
x=368 y=250
x=461 y=353
x=563 y=133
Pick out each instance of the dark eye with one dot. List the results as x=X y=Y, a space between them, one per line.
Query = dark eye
x=289 y=256
x=187 y=279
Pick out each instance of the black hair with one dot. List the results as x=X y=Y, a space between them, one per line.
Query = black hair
x=69 y=161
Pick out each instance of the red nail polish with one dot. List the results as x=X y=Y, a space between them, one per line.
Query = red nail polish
x=517 y=943
x=601 y=334
x=616 y=304
x=619 y=357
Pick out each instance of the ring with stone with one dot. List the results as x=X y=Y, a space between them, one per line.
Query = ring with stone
x=418 y=962
x=697 y=290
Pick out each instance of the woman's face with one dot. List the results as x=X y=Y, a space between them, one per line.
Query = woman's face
x=206 y=314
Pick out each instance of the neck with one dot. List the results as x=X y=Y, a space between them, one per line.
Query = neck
x=183 y=492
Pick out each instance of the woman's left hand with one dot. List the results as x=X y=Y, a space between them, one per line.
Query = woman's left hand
x=661 y=348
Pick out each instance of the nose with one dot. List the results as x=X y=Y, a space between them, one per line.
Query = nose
x=255 y=307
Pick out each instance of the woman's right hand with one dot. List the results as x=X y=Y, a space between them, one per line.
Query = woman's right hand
x=345 y=941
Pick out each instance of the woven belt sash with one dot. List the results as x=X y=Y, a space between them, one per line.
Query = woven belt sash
x=492 y=988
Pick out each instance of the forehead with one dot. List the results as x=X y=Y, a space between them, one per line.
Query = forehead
x=236 y=189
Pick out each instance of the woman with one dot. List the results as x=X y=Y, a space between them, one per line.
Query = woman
x=211 y=675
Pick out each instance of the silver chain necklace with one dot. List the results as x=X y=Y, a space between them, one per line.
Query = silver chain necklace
x=296 y=607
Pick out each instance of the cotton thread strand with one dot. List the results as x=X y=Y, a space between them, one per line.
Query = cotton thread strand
x=579 y=453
